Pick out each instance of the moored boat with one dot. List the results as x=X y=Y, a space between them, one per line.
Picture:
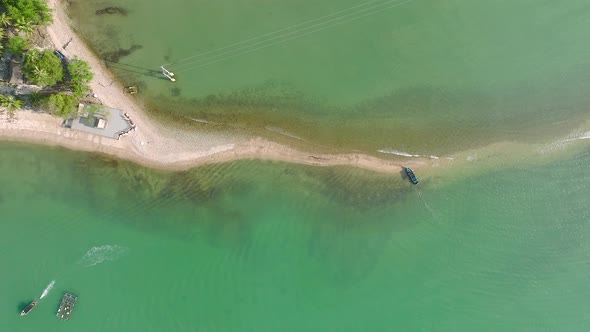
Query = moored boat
x=411 y=175
x=28 y=308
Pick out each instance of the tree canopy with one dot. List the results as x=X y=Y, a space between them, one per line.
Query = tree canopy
x=27 y=12
x=61 y=104
x=43 y=68
x=80 y=75
x=17 y=45
x=5 y=20
x=10 y=102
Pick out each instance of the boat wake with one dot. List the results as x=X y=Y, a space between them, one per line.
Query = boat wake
x=564 y=142
x=203 y=121
x=47 y=289
x=585 y=135
x=283 y=132
x=405 y=154
x=97 y=255
x=426 y=205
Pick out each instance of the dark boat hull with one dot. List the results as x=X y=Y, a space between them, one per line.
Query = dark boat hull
x=412 y=176
x=29 y=308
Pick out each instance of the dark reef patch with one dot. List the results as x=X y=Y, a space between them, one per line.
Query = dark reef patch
x=115 y=56
x=175 y=91
x=112 y=11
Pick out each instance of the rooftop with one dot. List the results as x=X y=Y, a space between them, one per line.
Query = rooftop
x=100 y=120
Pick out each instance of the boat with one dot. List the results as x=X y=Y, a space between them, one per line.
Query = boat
x=411 y=175
x=131 y=89
x=168 y=74
x=68 y=302
x=28 y=308
x=61 y=56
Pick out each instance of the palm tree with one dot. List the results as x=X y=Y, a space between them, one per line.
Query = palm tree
x=39 y=74
x=11 y=104
x=3 y=101
x=22 y=25
x=5 y=20
x=1 y=36
x=14 y=104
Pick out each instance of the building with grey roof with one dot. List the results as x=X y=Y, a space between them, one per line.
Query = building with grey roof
x=101 y=120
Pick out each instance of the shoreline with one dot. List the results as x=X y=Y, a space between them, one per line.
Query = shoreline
x=44 y=129
x=155 y=145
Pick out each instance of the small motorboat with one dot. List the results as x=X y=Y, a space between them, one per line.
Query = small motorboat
x=411 y=175
x=168 y=74
x=28 y=308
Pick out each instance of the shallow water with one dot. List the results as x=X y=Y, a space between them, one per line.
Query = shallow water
x=258 y=246
x=495 y=243
x=422 y=76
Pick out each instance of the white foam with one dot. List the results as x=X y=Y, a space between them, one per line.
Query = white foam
x=97 y=255
x=564 y=142
x=203 y=121
x=47 y=289
x=585 y=135
x=283 y=132
x=406 y=154
x=399 y=153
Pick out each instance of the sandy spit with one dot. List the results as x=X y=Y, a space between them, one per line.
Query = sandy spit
x=153 y=144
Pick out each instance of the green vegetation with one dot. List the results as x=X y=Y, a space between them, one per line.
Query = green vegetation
x=43 y=68
x=25 y=14
x=61 y=104
x=17 y=45
x=21 y=16
x=36 y=99
x=94 y=109
x=11 y=104
x=80 y=75
x=5 y=20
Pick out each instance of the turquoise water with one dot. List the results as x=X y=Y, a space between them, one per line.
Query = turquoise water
x=422 y=76
x=258 y=246
x=495 y=243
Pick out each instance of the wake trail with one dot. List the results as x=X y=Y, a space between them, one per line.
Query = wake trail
x=47 y=289
x=318 y=27
x=97 y=255
x=321 y=27
x=426 y=205
x=406 y=154
x=272 y=33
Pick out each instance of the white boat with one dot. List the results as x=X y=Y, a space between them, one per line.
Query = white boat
x=168 y=74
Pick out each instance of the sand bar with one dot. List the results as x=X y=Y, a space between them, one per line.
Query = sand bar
x=153 y=144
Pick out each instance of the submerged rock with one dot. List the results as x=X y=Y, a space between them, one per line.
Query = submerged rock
x=112 y=11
